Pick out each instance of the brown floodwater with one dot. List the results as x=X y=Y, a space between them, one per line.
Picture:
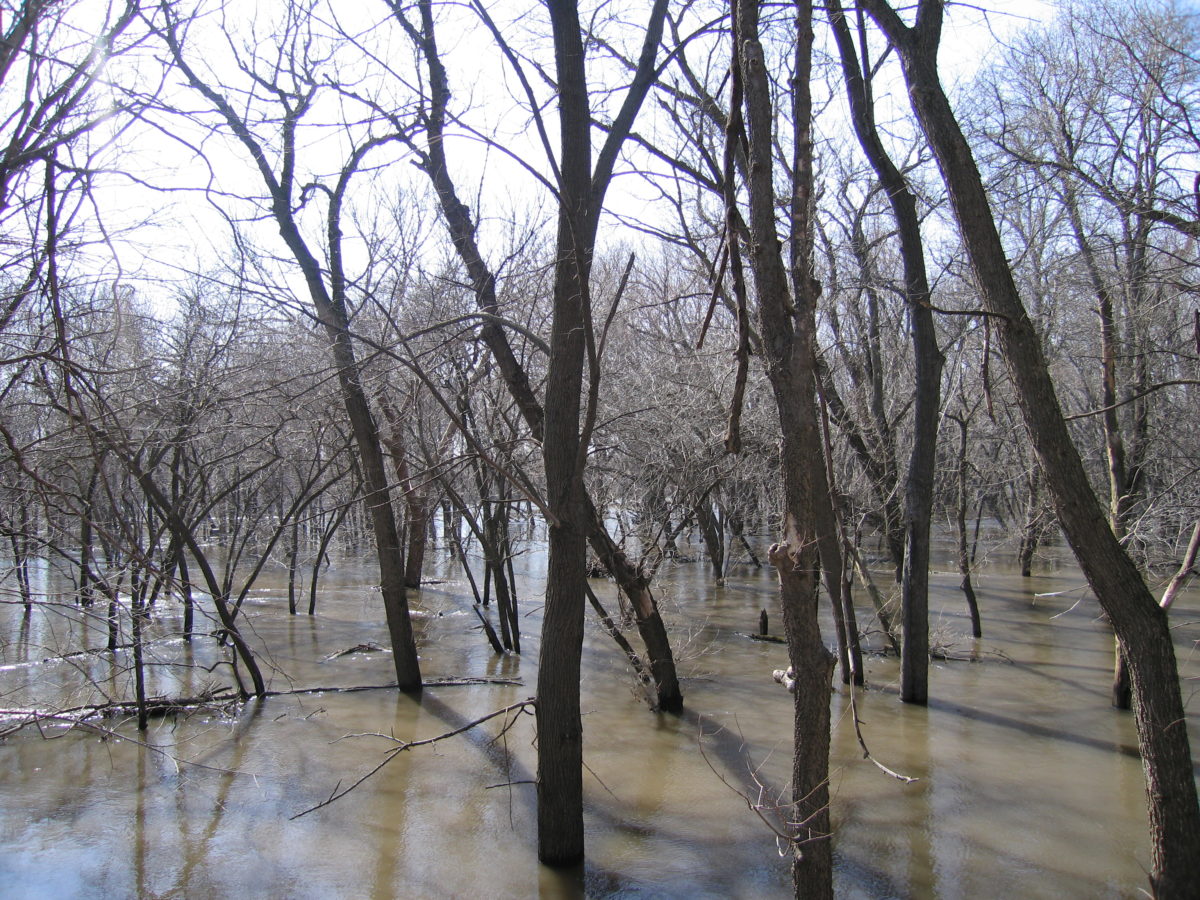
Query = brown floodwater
x=1029 y=784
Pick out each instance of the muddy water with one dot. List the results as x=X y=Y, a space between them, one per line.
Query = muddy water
x=1029 y=785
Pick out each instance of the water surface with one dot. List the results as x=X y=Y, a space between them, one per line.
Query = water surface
x=1029 y=785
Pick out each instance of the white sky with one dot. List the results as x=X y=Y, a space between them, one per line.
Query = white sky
x=189 y=233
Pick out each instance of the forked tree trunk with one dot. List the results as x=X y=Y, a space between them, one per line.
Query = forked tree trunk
x=483 y=280
x=1140 y=623
x=788 y=326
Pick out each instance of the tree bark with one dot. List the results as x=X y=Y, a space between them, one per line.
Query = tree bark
x=788 y=326
x=914 y=609
x=559 y=728
x=1140 y=623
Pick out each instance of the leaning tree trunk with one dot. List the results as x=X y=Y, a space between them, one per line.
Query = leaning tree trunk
x=1139 y=622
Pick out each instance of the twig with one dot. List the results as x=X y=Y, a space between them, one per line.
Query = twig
x=339 y=792
x=756 y=806
x=907 y=779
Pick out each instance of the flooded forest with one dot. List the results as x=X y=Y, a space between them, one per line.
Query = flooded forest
x=588 y=449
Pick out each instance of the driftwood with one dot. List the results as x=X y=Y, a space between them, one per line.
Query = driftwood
x=368 y=647
x=217 y=700
x=338 y=792
x=767 y=638
x=156 y=707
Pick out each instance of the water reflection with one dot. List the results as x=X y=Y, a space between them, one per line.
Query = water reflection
x=1029 y=784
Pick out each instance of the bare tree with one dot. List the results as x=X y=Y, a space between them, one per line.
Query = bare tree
x=787 y=321
x=286 y=80
x=492 y=331
x=914 y=665
x=1140 y=623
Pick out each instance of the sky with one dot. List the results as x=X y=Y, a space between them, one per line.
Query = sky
x=189 y=234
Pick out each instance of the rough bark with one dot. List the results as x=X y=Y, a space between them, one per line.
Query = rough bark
x=559 y=728
x=1140 y=623
x=788 y=327
x=914 y=609
x=458 y=221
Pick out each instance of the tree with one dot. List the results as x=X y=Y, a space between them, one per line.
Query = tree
x=433 y=161
x=581 y=187
x=1098 y=133
x=1140 y=624
x=914 y=664
x=286 y=88
x=787 y=321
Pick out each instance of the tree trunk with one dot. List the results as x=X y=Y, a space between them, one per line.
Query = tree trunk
x=1140 y=623
x=483 y=280
x=960 y=522
x=559 y=727
x=185 y=590
x=712 y=533
x=1031 y=530
x=649 y=620
x=914 y=658
x=293 y=560
x=788 y=327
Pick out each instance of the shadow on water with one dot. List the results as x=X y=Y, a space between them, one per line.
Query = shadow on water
x=1029 y=784
x=491 y=747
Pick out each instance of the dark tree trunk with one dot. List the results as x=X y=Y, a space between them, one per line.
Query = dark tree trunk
x=1031 y=530
x=960 y=522
x=564 y=444
x=87 y=578
x=137 y=622
x=833 y=568
x=559 y=728
x=914 y=660
x=1140 y=623
x=185 y=590
x=483 y=280
x=834 y=562
x=293 y=561
x=714 y=543
x=323 y=555
x=788 y=327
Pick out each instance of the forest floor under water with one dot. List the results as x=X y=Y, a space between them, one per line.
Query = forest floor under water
x=1027 y=783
